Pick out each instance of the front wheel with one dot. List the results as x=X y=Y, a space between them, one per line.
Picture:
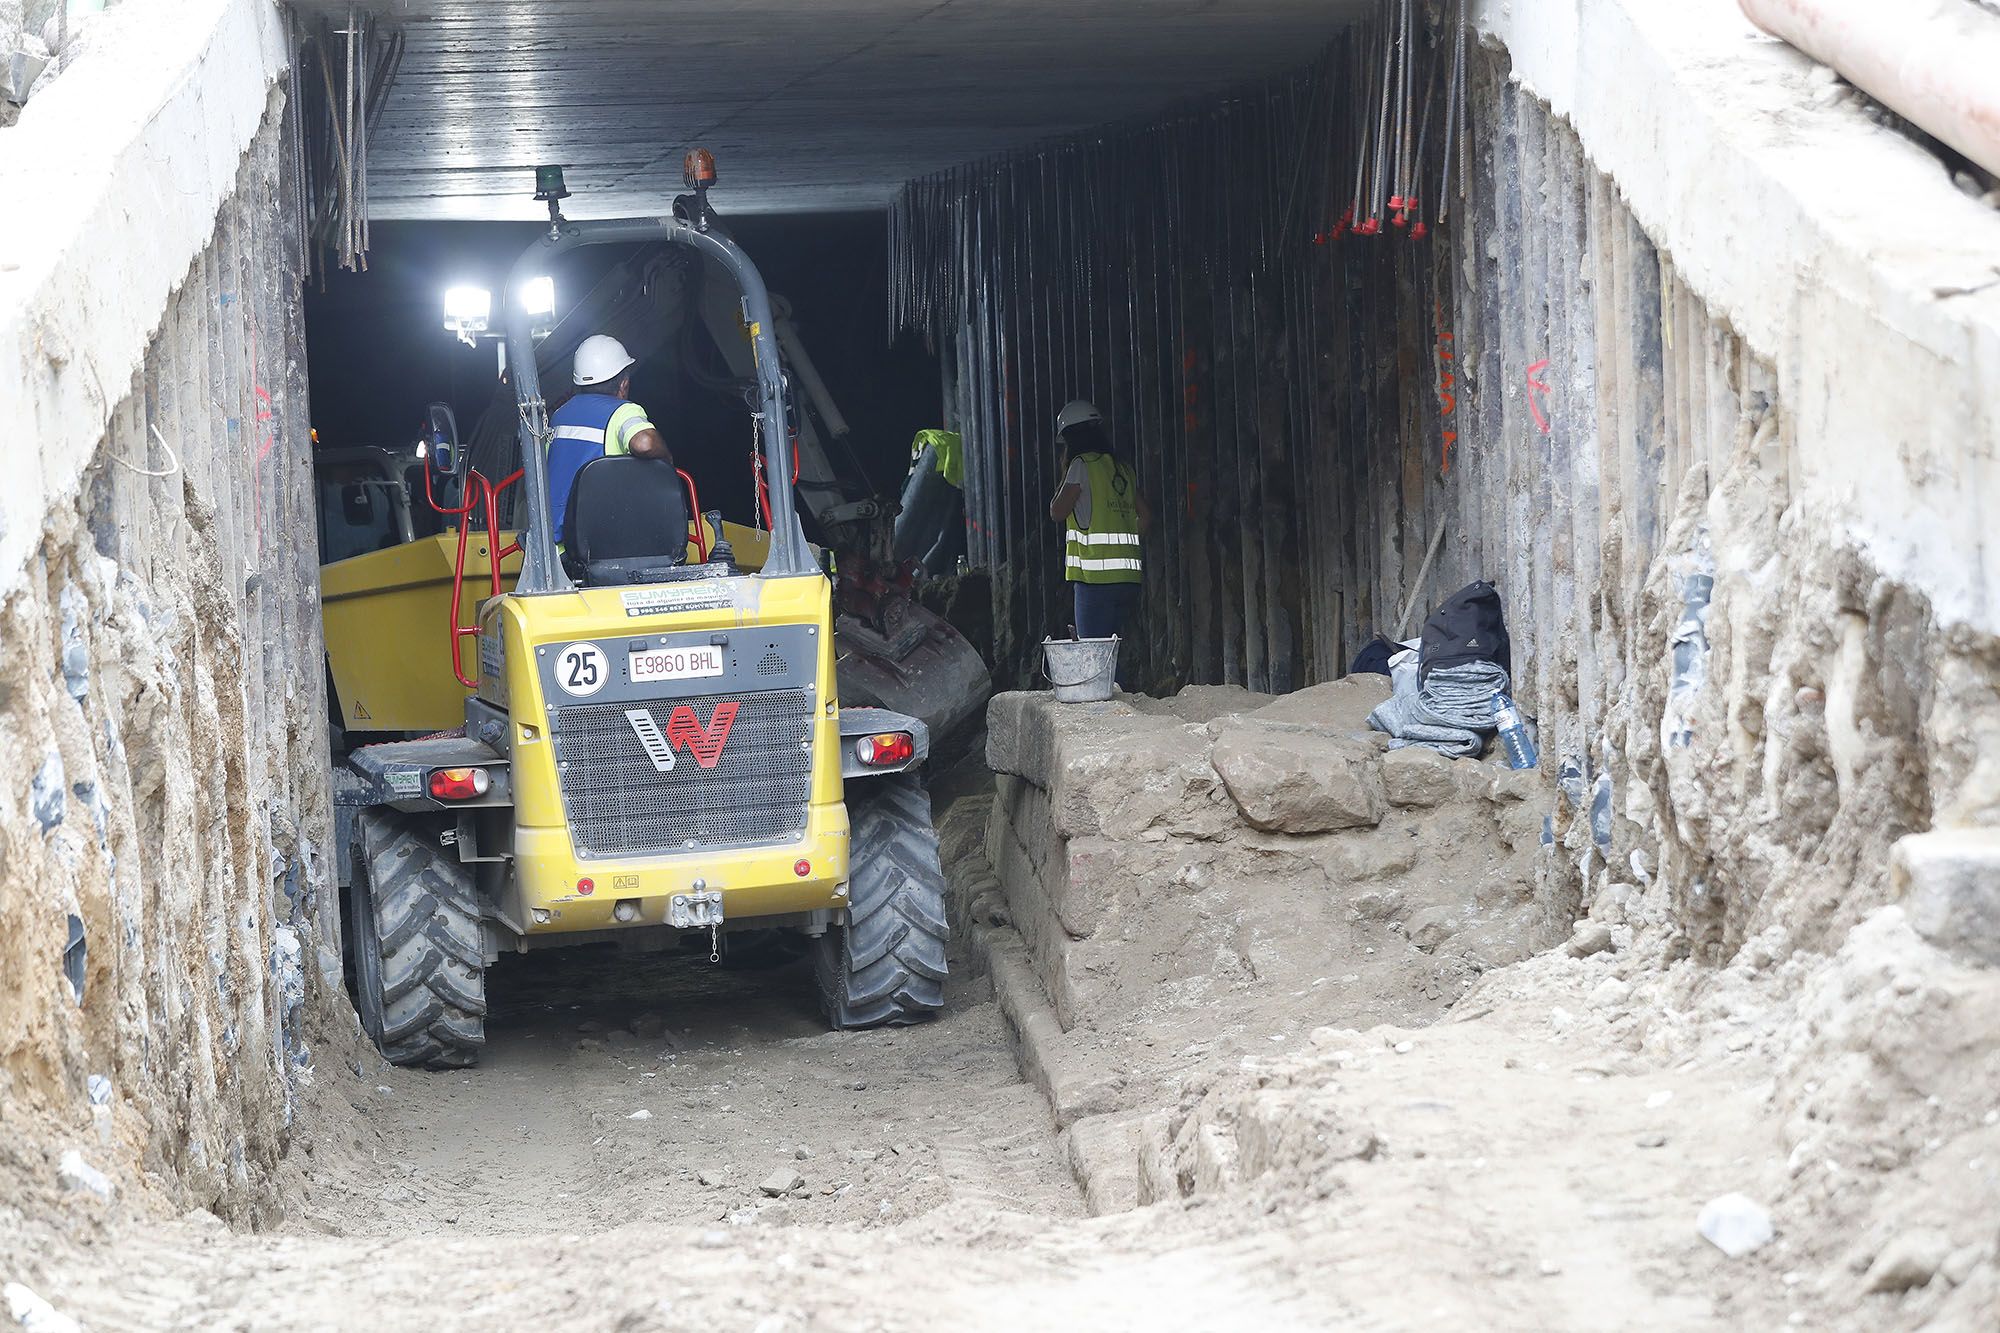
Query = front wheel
x=887 y=964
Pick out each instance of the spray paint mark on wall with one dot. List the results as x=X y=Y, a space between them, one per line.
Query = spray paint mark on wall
x=1537 y=385
x=1447 y=399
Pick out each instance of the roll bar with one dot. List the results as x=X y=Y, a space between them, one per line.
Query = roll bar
x=541 y=570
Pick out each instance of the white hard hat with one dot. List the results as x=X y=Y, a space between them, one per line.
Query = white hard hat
x=600 y=358
x=1075 y=413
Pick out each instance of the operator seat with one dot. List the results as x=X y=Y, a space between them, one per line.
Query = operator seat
x=626 y=522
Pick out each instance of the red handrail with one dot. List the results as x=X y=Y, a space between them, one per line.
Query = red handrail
x=484 y=496
x=694 y=500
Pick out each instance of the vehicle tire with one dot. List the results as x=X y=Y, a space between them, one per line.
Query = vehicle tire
x=419 y=948
x=887 y=964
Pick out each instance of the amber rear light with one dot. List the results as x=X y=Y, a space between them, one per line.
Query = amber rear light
x=886 y=749
x=459 y=784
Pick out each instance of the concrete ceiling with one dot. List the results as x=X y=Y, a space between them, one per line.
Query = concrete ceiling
x=807 y=104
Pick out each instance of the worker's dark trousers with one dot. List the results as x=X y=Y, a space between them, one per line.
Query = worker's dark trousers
x=1102 y=608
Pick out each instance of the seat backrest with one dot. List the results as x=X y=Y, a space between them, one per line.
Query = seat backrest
x=626 y=517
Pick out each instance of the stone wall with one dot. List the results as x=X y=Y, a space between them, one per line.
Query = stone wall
x=1227 y=852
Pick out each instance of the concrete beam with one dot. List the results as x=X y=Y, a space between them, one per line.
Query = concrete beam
x=113 y=178
x=1837 y=249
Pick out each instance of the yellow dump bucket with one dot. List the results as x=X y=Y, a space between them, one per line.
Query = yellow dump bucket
x=387 y=616
x=388 y=627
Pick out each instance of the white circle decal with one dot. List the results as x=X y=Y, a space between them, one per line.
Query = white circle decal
x=581 y=669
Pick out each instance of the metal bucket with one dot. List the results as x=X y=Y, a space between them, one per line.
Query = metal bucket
x=1082 y=670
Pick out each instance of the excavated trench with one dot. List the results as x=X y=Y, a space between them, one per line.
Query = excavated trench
x=1253 y=1023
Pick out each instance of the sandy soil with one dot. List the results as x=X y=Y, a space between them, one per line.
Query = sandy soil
x=590 y=1110
x=1535 y=1160
x=1512 y=1182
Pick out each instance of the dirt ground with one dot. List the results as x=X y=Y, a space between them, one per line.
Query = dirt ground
x=1535 y=1160
x=590 y=1110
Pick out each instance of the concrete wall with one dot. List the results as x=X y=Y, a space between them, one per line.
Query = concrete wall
x=1723 y=436
x=168 y=823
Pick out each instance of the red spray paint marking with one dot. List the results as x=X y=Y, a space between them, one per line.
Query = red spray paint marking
x=1535 y=386
x=267 y=436
x=1447 y=400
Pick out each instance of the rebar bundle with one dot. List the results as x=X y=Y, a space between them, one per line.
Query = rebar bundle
x=340 y=79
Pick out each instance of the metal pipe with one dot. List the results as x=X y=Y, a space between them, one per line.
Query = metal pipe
x=1933 y=62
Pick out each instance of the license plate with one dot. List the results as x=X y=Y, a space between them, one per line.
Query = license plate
x=644 y=664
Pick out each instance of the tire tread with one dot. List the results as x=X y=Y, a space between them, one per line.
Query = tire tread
x=428 y=935
x=888 y=964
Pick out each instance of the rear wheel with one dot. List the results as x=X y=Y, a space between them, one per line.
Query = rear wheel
x=887 y=964
x=419 y=952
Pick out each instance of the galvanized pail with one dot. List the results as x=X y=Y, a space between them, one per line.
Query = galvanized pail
x=1082 y=670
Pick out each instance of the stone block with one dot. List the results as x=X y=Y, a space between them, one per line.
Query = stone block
x=1004 y=714
x=1104 y=1156
x=1098 y=876
x=1029 y=733
x=1149 y=781
x=1509 y=784
x=1290 y=781
x=1418 y=777
x=1154 y=1142
x=1949 y=884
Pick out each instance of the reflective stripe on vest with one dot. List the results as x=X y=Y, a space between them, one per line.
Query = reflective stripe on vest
x=1107 y=550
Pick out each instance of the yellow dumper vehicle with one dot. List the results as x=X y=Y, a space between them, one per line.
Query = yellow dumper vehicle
x=653 y=749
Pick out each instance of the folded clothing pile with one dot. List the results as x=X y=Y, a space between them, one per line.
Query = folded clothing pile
x=1450 y=710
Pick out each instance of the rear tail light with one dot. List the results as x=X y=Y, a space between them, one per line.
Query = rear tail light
x=459 y=784
x=886 y=749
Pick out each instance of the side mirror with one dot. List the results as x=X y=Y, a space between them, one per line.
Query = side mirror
x=441 y=448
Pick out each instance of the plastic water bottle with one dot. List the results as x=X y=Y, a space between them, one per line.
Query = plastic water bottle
x=1513 y=733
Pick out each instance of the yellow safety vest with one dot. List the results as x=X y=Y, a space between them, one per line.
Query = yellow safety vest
x=1108 y=550
x=950 y=456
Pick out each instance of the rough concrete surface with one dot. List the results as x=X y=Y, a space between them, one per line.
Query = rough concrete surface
x=1878 y=305
x=127 y=158
x=168 y=941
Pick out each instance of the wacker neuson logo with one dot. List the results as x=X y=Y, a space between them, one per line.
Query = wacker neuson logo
x=683 y=733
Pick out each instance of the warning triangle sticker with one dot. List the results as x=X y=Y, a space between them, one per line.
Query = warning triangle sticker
x=361 y=713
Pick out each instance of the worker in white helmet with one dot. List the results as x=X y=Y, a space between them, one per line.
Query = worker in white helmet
x=1098 y=501
x=599 y=420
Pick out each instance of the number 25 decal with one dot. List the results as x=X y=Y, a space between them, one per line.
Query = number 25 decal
x=581 y=669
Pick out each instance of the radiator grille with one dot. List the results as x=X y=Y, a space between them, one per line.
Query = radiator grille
x=620 y=804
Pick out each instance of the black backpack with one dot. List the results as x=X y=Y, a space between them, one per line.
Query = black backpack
x=1466 y=627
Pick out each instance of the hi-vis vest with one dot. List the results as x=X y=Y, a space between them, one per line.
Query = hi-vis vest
x=589 y=425
x=950 y=455
x=1108 y=550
